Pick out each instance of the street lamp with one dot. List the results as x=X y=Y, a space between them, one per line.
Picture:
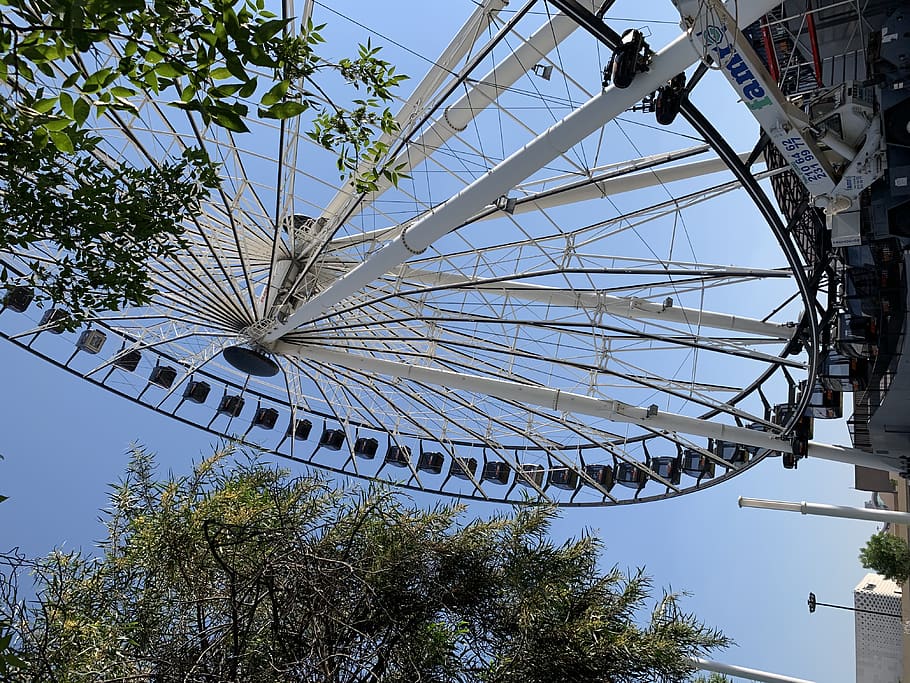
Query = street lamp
x=813 y=603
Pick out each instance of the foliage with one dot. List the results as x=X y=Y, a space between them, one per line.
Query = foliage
x=66 y=63
x=243 y=573
x=713 y=678
x=8 y=658
x=209 y=54
x=108 y=220
x=888 y=555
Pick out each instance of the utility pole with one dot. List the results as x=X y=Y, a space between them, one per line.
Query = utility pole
x=805 y=508
x=742 y=672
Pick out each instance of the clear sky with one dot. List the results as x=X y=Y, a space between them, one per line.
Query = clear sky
x=749 y=571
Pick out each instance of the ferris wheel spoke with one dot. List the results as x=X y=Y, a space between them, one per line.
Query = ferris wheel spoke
x=597 y=184
x=470 y=363
x=500 y=363
x=621 y=307
x=479 y=93
x=582 y=122
x=559 y=400
x=420 y=430
x=592 y=331
x=472 y=414
x=201 y=301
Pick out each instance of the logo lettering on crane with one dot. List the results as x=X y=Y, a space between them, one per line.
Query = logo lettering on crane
x=750 y=88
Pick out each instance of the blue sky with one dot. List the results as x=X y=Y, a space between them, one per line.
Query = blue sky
x=749 y=571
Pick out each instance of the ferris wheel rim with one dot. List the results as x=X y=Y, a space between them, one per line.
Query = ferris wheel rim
x=247 y=309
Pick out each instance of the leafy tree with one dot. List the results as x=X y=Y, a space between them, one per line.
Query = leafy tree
x=242 y=573
x=888 y=555
x=109 y=221
x=64 y=63
x=713 y=678
x=8 y=659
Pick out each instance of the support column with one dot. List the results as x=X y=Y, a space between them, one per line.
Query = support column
x=820 y=509
x=560 y=137
x=742 y=672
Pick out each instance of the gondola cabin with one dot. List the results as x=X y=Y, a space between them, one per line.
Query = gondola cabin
x=398 y=456
x=667 y=466
x=530 y=475
x=19 y=298
x=366 y=447
x=842 y=373
x=600 y=476
x=332 y=439
x=696 y=464
x=564 y=478
x=463 y=468
x=300 y=429
x=496 y=472
x=733 y=453
x=825 y=404
x=430 y=461
x=631 y=476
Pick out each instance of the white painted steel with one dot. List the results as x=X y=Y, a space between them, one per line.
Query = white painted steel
x=459 y=114
x=558 y=400
x=823 y=510
x=575 y=192
x=743 y=672
x=582 y=122
x=625 y=307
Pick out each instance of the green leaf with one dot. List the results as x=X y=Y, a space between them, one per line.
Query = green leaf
x=62 y=141
x=40 y=137
x=2 y=498
x=235 y=66
x=66 y=104
x=151 y=80
x=81 y=110
x=220 y=73
x=57 y=124
x=270 y=29
x=283 y=110
x=225 y=91
x=166 y=70
x=226 y=118
x=45 y=105
x=276 y=93
x=249 y=88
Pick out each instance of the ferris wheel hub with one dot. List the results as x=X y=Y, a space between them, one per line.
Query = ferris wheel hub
x=251 y=361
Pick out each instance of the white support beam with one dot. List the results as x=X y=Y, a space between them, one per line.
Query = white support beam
x=624 y=307
x=577 y=126
x=743 y=672
x=458 y=115
x=612 y=181
x=822 y=510
x=558 y=400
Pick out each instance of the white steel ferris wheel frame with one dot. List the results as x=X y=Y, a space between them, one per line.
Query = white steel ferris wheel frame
x=287 y=319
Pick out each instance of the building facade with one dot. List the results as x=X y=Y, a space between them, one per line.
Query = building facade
x=879 y=637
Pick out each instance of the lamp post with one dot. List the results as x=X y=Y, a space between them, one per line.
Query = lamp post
x=813 y=603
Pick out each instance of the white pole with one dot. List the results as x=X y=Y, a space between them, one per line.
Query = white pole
x=588 y=118
x=742 y=672
x=805 y=508
x=557 y=400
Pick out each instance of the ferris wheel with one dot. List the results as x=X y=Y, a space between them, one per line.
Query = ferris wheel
x=580 y=292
